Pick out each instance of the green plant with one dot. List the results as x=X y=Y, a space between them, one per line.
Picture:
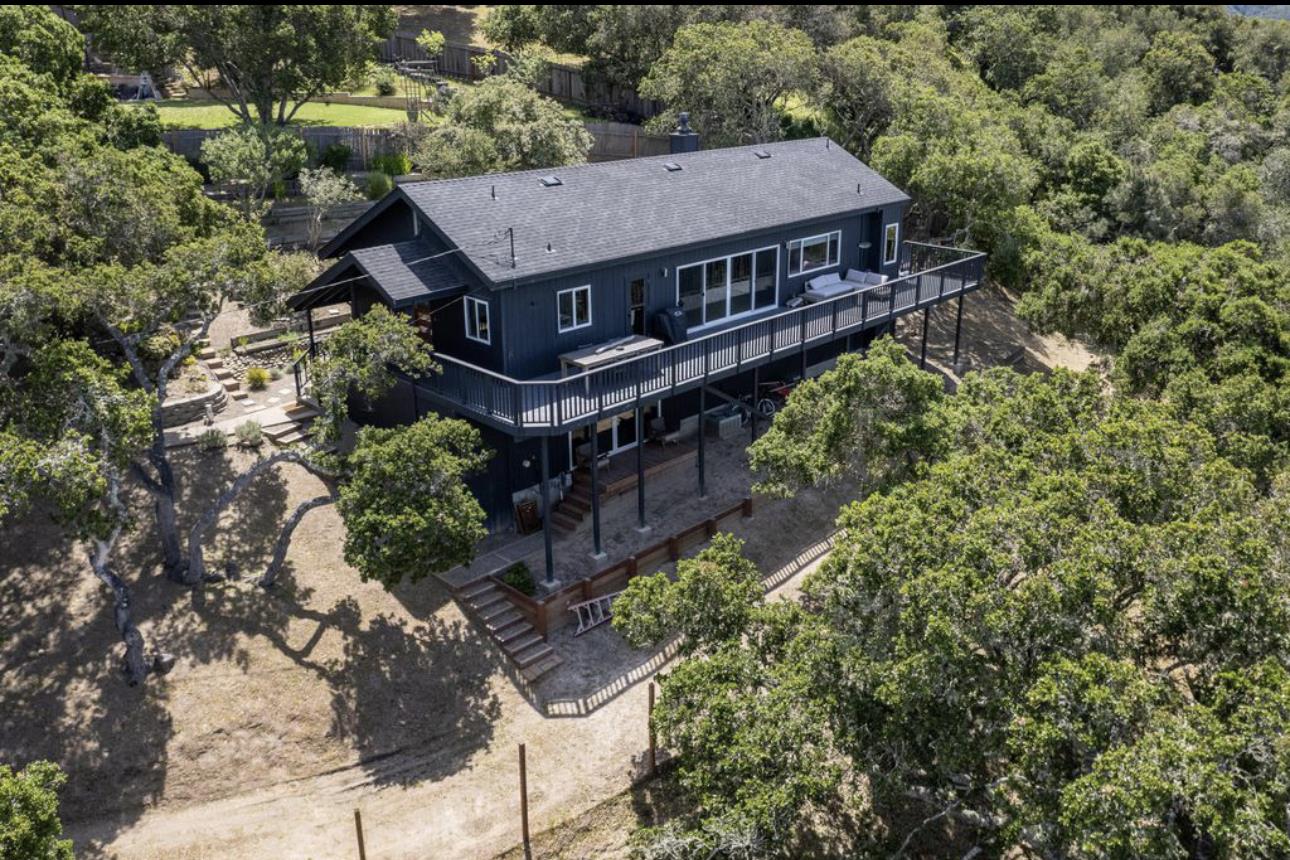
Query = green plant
x=212 y=440
x=257 y=378
x=249 y=434
x=393 y=163
x=335 y=156
x=518 y=577
x=384 y=81
x=378 y=185
x=242 y=342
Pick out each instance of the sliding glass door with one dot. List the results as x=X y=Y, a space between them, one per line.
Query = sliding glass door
x=728 y=287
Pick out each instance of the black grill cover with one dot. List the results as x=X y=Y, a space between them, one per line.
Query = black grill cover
x=669 y=325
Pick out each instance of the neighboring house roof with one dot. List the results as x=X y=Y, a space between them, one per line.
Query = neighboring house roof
x=608 y=211
x=404 y=273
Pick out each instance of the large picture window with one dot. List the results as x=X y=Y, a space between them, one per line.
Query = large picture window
x=813 y=252
x=890 y=244
x=573 y=308
x=477 y=320
x=728 y=287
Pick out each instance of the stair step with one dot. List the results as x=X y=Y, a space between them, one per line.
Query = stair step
x=501 y=621
x=277 y=431
x=520 y=643
x=496 y=609
x=532 y=654
x=564 y=521
x=579 y=493
x=540 y=668
x=572 y=504
x=488 y=600
x=301 y=411
x=213 y=363
x=478 y=587
x=291 y=438
x=225 y=373
x=513 y=631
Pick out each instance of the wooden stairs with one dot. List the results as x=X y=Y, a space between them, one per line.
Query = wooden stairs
x=568 y=513
x=523 y=645
x=297 y=428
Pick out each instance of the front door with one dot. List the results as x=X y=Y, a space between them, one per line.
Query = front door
x=636 y=301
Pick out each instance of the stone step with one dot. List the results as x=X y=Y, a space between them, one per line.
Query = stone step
x=300 y=411
x=214 y=363
x=540 y=668
x=223 y=373
x=532 y=654
x=239 y=396
x=208 y=353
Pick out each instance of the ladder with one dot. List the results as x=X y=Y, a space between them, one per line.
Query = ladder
x=593 y=613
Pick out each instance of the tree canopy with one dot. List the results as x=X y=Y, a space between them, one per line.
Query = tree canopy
x=262 y=61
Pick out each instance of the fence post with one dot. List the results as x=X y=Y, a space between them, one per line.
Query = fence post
x=524 y=806
x=653 y=750
x=358 y=830
x=747 y=507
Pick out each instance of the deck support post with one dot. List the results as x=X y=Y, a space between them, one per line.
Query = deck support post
x=703 y=415
x=595 y=492
x=546 y=509
x=309 y=322
x=640 y=469
x=752 y=413
x=958 y=329
x=922 y=357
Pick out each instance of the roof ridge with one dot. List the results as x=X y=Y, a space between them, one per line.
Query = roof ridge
x=583 y=165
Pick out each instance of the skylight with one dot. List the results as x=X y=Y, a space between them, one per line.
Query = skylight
x=551 y=181
x=671 y=166
x=761 y=153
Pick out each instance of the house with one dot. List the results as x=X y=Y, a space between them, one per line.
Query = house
x=576 y=311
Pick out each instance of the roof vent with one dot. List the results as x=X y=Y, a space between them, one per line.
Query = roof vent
x=761 y=153
x=551 y=181
x=671 y=166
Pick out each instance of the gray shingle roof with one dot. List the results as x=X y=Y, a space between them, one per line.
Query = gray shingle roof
x=621 y=209
x=402 y=272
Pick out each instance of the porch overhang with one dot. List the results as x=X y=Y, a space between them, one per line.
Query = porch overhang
x=402 y=274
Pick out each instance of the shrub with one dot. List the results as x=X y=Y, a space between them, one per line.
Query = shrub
x=336 y=156
x=257 y=378
x=378 y=185
x=384 y=81
x=517 y=576
x=249 y=434
x=212 y=440
x=395 y=163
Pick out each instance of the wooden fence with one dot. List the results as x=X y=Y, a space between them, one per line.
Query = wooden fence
x=610 y=141
x=565 y=83
x=550 y=613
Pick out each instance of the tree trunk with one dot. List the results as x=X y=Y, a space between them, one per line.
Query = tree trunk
x=134 y=666
x=196 y=571
x=167 y=520
x=283 y=542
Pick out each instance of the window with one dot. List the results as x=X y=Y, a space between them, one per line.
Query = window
x=477 y=320
x=728 y=286
x=573 y=308
x=816 y=252
x=890 y=244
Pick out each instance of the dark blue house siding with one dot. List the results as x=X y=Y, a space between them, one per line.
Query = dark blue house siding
x=533 y=342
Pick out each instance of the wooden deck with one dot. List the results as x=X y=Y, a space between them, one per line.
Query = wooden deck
x=620 y=475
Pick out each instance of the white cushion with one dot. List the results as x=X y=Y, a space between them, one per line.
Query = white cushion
x=856 y=276
x=823 y=281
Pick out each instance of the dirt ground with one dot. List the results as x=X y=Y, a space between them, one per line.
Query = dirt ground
x=287 y=710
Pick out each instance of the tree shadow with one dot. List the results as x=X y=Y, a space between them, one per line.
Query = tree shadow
x=62 y=695
x=414 y=699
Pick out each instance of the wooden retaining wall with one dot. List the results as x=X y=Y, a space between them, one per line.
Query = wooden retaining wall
x=551 y=613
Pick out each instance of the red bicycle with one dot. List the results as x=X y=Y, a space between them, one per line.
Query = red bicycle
x=771 y=396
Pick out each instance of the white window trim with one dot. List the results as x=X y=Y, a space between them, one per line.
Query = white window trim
x=807 y=239
x=472 y=306
x=895 y=245
x=754 y=309
x=576 y=324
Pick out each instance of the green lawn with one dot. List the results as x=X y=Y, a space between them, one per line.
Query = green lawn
x=205 y=114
